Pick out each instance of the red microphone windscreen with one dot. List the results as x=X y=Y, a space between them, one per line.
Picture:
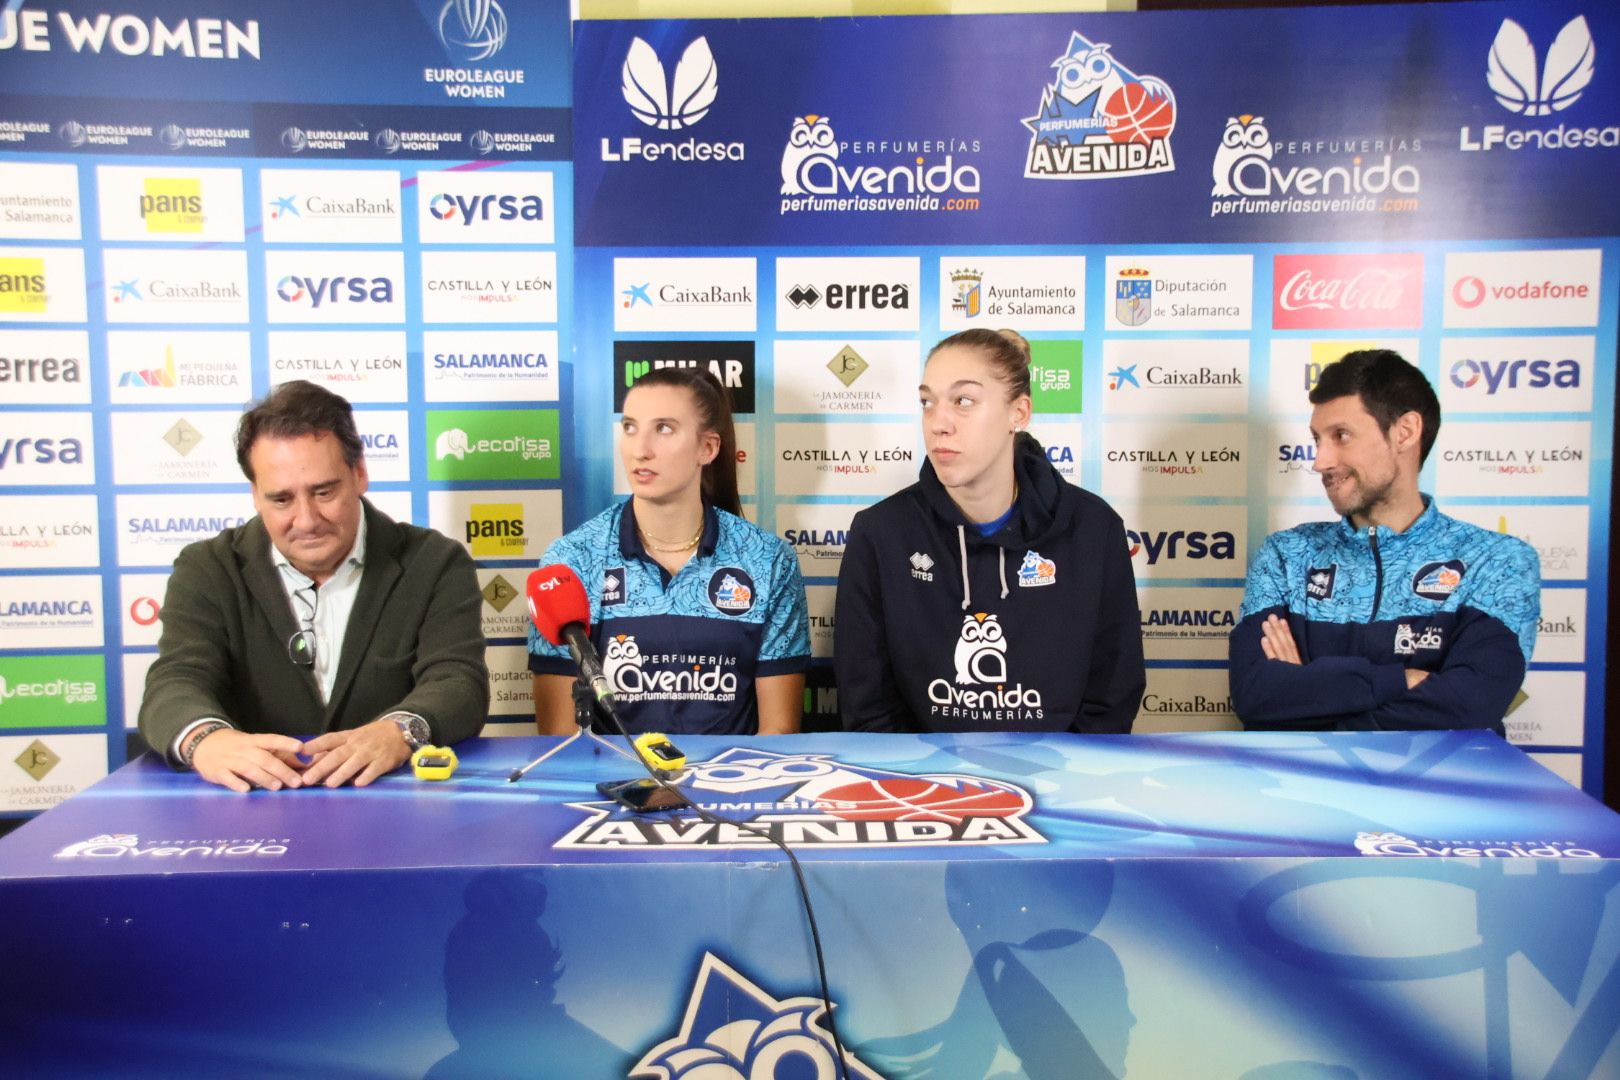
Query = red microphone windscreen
x=557 y=598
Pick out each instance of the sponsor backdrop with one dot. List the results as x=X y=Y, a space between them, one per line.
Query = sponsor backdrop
x=374 y=196
x=1187 y=235
x=1073 y=908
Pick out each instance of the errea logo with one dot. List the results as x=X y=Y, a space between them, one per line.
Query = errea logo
x=922 y=566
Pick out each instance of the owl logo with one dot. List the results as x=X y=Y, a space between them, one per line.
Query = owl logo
x=1245 y=144
x=981 y=653
x=621 y=664
x=1082 y=74
x=810 y=142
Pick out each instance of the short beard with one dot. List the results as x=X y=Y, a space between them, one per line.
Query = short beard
x=1371 y=497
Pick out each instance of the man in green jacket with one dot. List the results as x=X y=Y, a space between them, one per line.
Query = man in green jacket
x=320 y=618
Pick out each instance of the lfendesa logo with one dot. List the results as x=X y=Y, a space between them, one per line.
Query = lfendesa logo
x=470 y=208
x=1527 y=85
x=1391 y=844
x=318 y=291
x=818 y=800
x=981 y=661
x=129 y=846
x=1492 y=376
x=686 y=678
x=667 y=104
x=1167 y=544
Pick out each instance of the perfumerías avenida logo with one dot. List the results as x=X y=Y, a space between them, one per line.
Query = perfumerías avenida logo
x=812 y=799
x=733 y=1029
x=473 y=29
x=1099 y=120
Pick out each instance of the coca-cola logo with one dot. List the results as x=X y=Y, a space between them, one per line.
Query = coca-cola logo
x=1348 y=291
x=1370 y=290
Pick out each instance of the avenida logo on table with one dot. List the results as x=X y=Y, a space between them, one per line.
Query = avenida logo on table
x=815 y=799
x=735 y=1030
x=1391 y=844
x=129 y=846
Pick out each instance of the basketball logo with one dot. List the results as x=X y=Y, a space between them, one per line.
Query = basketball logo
x=921 y=799
x=1140 y=115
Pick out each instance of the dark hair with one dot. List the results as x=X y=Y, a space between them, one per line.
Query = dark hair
x=1006 y=350
x=294 y=410
x=1389 y=388
x=714 y=413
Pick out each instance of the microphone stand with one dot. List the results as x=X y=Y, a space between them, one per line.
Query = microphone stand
x=583 y=717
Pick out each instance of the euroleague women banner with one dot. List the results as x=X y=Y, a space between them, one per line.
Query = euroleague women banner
x=200 y=201
x=1189 y=214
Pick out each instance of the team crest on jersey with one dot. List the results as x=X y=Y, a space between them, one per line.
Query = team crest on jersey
x=817 y=800
x=731 y=590
x=613 y=585
x=1408 y=641
x=1438 y=580
x=734 y=1029
x=1319 y=581
x=1036 y=570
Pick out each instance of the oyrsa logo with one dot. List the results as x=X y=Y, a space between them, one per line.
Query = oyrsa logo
x=817 y=800
x=1341 y=292
x=470 y=208
x=296 y=289
x=1099 y=120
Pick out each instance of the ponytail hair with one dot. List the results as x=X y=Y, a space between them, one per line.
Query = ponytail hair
x=713 y=406
x=1006 y=350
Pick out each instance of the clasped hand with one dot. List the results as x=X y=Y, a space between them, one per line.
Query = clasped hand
x=242 y=761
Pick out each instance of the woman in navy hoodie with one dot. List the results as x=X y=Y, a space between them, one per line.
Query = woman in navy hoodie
x=991 y=595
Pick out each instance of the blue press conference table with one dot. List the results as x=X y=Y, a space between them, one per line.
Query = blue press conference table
x=1261 y=906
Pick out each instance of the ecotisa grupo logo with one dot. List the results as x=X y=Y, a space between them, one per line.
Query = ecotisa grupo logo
x=1099 y=120
x=1526 y=84
x=733 y=1027
x=818 y=800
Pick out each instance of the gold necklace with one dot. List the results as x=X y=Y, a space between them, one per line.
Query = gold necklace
x=669 y=546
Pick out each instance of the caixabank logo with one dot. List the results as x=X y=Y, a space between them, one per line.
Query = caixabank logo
x=734 y=1029
x=817 y=800
x=1099 y=120
x=1529 y=82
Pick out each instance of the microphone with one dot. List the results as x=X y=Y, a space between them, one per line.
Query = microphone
x=562 y=613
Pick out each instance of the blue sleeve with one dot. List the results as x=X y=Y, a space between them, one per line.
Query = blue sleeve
x=784 y=648
x=1485 y=665
x=1274 y=694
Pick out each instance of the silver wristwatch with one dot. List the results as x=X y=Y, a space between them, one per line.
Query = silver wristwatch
x=414 y=728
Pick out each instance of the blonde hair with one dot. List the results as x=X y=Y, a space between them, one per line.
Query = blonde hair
x=1006 y=350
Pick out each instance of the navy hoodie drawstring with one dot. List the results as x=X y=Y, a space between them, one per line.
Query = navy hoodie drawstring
x=961 y=543
x=967 y=590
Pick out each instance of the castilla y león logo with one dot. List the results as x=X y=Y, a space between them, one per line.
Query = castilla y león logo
x=818 y=800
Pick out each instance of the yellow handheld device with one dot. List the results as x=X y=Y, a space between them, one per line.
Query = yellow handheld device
x=434 y=763
x=657 y=751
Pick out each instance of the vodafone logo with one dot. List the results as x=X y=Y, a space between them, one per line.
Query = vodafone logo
x=1316 y=292
x=1469 y=292
x=144 y=611
x=1525 y=288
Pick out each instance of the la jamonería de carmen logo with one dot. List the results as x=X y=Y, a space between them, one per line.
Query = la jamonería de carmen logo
x=1099 y=120
x=815 y=800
